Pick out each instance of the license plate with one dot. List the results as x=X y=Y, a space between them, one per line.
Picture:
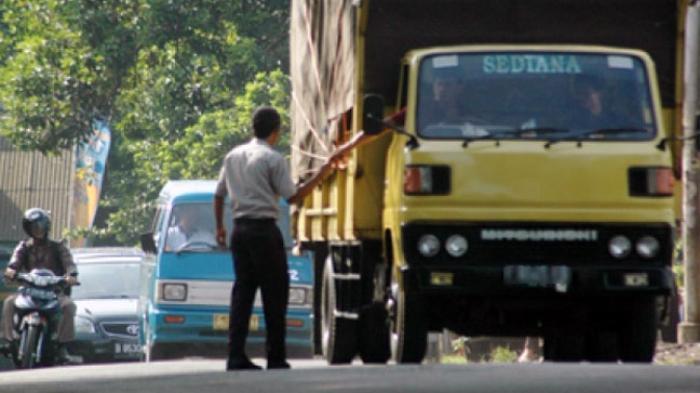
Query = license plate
x=636 y=280
x=538 y=276
x=220 y=322
x=126 y=348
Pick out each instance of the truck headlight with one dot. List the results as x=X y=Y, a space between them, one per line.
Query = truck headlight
x=297 y=295
x=456 y=245
x=619 y=246
x=176 y=292
x=647 y=247
x=84 y=325
x=428 y=245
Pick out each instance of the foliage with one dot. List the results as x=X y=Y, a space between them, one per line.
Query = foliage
x=176 y=80
x=503 y=355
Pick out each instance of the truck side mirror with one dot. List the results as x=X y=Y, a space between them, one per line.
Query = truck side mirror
x=372 y=119
x=147 y=243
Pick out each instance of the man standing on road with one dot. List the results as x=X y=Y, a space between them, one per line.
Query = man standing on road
x=254 y=176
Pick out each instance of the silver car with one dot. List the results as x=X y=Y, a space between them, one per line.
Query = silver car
x=106 y=321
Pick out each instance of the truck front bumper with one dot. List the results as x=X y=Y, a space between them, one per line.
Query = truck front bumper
x=517 y=280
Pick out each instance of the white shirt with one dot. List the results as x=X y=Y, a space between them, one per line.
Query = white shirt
x=255 y=175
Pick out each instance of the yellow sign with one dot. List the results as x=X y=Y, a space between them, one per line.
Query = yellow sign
x=220 y=322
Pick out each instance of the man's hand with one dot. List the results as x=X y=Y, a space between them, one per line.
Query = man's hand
x=71 y=280
x=221 y=237
x=10 y=274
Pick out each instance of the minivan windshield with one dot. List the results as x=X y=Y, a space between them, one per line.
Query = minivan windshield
x=534 y=95
x=192 y=227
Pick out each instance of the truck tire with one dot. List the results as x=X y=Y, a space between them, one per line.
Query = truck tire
x=410 y=330
x=374 y=334
x=601 y=346
x=637 y=330
x=28 y=349
x=339 y=335
x=669 y=332
x=564 y=346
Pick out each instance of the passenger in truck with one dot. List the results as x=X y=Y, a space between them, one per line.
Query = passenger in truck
x=590 y=110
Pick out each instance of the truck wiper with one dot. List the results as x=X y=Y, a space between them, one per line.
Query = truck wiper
x=490 y=137
x=498 y=135
x=578 y=135
x=538 y=130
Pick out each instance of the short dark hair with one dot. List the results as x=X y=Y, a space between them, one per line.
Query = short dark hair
x=266 y=119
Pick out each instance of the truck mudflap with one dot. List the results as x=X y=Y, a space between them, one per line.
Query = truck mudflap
x=525 y=279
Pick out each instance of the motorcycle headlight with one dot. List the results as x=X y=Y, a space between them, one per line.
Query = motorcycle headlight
x=428 y=245
x=84 y=325
x=456 y=245
x=647 y=247
x=619 y=246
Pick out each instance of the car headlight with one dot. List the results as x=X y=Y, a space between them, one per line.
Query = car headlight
x=177 y=292
x=84 y=325
x=619 y=246
x=297 y=295
x=428 y=245
x=456 y=245
x=647 y=247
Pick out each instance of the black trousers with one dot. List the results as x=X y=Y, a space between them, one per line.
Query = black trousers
x=259 y=260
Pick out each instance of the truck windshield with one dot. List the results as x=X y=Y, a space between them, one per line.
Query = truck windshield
x=534 y=95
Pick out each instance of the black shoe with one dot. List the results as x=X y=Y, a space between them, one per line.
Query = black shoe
x=246 y=364
x=278 y=365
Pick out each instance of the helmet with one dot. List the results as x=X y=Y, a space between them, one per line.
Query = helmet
x=36 y=222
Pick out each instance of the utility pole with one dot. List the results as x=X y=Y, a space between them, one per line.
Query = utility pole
x=689 y=329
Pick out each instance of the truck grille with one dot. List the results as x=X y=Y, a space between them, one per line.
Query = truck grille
x=535 y=243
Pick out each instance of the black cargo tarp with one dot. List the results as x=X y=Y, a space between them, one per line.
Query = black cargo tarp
x=396 y=26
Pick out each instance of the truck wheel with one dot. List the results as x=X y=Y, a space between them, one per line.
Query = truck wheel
x=601 y=346
x=563 y=347
x=374 y=334
x=637 y=334
x=339 y=335
x=669 y=332
x=410 y=331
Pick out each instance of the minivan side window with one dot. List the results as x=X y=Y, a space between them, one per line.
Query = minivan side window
x=156 y=224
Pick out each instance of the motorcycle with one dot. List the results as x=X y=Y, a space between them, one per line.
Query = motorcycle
x=36 y=315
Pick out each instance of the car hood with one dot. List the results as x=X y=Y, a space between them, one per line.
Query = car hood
x=107 y=308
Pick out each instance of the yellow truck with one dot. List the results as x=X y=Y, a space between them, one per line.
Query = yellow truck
x=520 y=181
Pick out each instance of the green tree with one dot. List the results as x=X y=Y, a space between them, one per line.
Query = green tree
x=175 y=79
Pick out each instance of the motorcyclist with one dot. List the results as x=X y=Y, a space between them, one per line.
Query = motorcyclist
x=40 y=252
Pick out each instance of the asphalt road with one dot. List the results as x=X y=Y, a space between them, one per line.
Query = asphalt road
x=204 y=376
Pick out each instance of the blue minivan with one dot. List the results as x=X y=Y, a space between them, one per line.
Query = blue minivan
x=186 y=285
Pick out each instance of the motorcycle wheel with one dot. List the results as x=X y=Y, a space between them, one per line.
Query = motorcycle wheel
x=27 y=352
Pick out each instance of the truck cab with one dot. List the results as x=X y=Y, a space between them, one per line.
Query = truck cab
x=535 y=199
x=186 y=283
